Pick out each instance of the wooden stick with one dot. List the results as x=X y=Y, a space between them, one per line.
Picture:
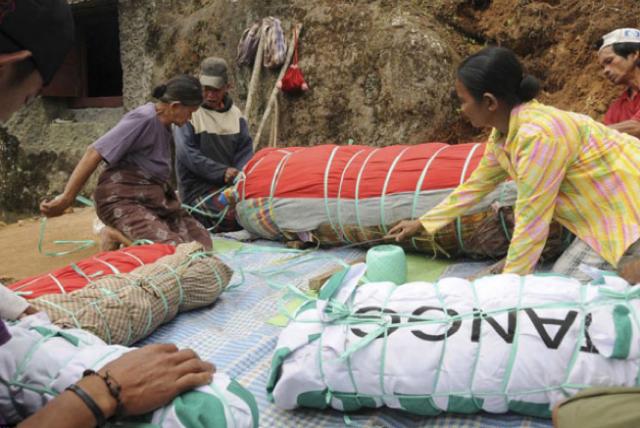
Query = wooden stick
x=273 y=139
x=318 y=281
x=274 y=92
x=255 y=75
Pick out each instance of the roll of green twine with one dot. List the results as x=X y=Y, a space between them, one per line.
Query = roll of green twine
x=386 y=263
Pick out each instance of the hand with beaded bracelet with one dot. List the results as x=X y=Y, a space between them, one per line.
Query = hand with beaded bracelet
x=145 y=379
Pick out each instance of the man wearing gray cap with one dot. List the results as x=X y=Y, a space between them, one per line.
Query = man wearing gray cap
x=212 y=148
x=619 y=55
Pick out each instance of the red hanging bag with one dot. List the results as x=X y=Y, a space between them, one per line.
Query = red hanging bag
x=293 y=80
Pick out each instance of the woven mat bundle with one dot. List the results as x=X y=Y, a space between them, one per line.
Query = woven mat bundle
x=125 y=308
x=486 y=234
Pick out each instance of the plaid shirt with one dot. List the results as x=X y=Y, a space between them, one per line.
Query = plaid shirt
x=567 y=167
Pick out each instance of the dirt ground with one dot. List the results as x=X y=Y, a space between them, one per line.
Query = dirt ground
x=19 y=256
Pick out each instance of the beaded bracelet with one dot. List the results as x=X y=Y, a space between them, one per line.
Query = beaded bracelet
x=112 y=385
x=90 y=403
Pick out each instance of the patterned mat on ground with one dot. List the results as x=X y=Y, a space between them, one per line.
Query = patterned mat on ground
x=235 y=334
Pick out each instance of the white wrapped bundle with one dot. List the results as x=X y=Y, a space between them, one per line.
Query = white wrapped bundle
x=502 y=343
x=41 y=360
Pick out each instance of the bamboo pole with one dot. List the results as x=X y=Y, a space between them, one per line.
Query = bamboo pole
x=274 y=92
x=273 y=140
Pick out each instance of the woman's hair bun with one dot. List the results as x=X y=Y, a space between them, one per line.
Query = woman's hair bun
x=159 y=91
x=529 y=88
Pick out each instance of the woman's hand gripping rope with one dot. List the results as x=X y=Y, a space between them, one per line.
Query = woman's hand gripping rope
x=412 y=229
x=404 y=230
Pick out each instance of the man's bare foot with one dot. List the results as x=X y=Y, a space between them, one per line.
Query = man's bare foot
x=111 y=239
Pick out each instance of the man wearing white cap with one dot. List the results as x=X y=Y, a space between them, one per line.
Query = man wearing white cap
x=619 y=55
x=212 y=149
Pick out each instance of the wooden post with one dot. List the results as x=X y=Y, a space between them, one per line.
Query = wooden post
x=255 y=75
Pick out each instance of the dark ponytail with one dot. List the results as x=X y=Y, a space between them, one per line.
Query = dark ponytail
x=183 y=88
x=497 y=70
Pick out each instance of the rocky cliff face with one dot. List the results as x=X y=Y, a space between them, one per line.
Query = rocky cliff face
x=380 y=72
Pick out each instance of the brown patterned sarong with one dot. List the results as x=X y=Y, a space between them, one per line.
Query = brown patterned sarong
x=142 y=207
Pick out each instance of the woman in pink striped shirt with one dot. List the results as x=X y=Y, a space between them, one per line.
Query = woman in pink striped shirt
x=567 y=167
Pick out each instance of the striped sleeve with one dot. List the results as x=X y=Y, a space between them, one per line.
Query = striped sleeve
x=482 y=181
x=540 y=167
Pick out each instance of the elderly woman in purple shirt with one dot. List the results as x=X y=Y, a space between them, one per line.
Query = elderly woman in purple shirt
x=134 y=197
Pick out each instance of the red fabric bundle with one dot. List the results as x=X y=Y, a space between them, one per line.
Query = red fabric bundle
x=357 y=172
x=76 y=276
x=293 y=80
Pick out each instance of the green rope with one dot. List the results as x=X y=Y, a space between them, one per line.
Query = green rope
x=418 y=191
x=105 y=323
x=80 y=272
x=325 y=186
x=274 y=184
x=436 y=378
x=14 y=385
x=383 y=357
x=113 y=269
x=205 y=199
x=80 y=244
x=20 y=368
x=138 y=242
x=514 y=345
x=505 y=229
x=243 y=179
x=576 y=350
x=383 y=222
x=321 y=367
x=85 y=201
x=357 y=195
x=63 y=309
x=464 y=173
x=177 y=277
x=343 y=234
x=476 y=359
x=58 y=283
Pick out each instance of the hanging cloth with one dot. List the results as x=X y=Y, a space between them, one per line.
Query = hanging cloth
x=293 y=80
x=275 y=46
x=248 y=45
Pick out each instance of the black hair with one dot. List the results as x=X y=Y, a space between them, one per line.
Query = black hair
x=625 y=49
x=183 y=88
x=497 y=70
x=22 y=70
